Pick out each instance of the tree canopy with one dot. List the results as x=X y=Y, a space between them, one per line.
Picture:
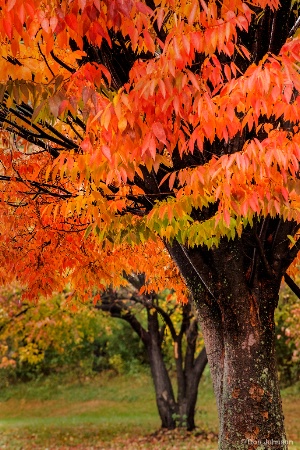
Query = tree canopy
x=169 y=118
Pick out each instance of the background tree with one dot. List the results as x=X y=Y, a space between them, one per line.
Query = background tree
x=178 y=320
x=54 y=337
x=176 y=119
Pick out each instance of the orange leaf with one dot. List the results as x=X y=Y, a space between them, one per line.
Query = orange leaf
x=106 y=152
x=172 y=180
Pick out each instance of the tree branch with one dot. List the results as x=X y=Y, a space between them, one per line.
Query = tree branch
x=167 y=320
x=44 y=187
x=45 y=59
x=120 y=311
x=61 y=63
x=200 y=361
x=294 y=28
x=292 y=285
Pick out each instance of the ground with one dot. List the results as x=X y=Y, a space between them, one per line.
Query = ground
x=109 y=413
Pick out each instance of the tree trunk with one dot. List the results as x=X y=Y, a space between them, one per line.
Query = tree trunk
x=246 y=384
x=187 y=401
x=193 y=378
x=238 y=327
x=165 y=399
x=173 y=413
x=180 y=413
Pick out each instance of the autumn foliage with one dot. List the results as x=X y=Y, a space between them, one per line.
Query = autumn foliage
x=132 y=126
x=191 y=83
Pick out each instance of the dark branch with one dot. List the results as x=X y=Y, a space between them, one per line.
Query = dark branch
x=42 y=187
x=61 y=63
x=45 y=59
x=292 y=285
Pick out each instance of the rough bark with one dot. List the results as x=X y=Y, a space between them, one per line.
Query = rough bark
x=246 y=386
x=235 y=299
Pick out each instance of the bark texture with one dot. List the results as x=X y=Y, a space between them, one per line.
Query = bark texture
x=235 y=288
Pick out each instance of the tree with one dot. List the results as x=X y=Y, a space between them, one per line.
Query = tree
x=47 y=337
x=56 y=335
x=176 y=119
x=183 y=328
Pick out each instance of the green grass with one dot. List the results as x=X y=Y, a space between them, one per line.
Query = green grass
x=107 y=406
x=108 y=412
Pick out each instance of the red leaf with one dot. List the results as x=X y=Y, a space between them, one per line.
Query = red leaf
x=53 y=23
x=45 y=24
x=125 y=7
x=144 y=9
x=97 y=5
x=82 y=4
x=172 y=180
x=160 y=17
x=159 y=132
x=105 y=72
x=149 y=41
x=164 y=179
x=86 y=145
x=152 y=148
x=193 y=80
x=7 y=25
x=71 y=21
x=285 y=193
x=192 y=15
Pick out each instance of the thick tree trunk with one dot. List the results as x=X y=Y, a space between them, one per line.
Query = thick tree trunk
x=246 y=385
x=237 y=322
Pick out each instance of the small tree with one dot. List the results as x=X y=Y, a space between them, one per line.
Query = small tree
x=161 y=316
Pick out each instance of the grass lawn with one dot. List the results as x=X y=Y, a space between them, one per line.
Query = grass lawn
x=109 y=413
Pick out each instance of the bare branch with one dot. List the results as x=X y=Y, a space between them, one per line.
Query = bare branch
x=294 y=28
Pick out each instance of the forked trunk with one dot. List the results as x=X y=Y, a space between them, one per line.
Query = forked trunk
x=180 y=413
x=173 y=412
x=188 y=382
x=165 y=399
